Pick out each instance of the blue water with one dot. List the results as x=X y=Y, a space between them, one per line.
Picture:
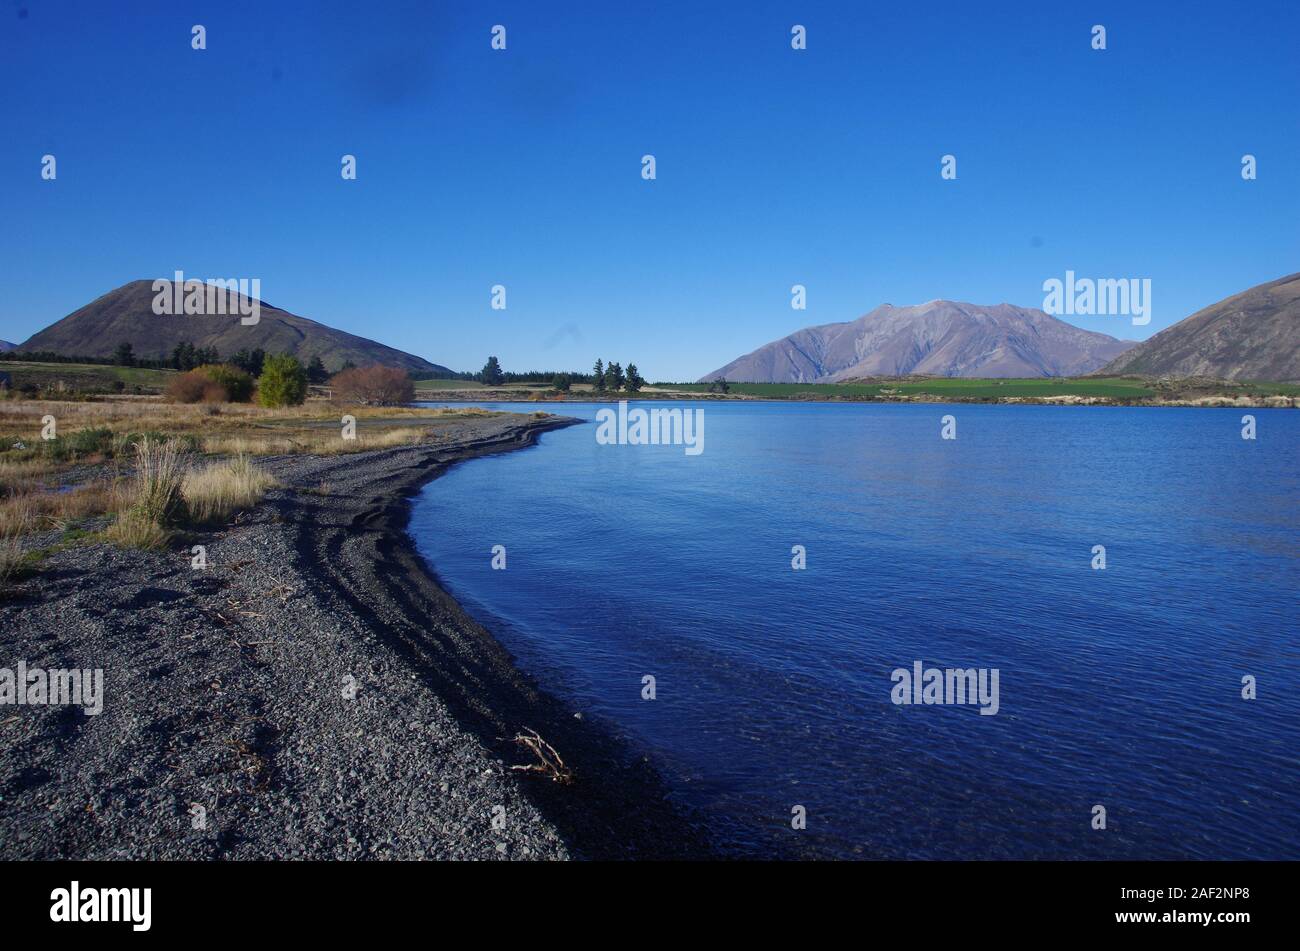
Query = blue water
x=1119 y=687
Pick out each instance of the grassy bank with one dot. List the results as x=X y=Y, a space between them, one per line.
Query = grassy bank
x=150 y=468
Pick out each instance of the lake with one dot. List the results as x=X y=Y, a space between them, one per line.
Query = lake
x=774 y=687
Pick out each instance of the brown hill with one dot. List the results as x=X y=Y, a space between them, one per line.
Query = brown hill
x=1252 y=336
x=126 y=315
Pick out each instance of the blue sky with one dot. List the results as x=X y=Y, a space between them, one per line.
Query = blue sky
x=522 y=167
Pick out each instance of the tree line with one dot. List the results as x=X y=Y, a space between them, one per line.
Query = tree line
x=603 y=378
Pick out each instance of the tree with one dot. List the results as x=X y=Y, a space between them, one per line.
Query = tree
x=598 y=376
x=283 y=381
x=183 y=356
x=124 y=356
x=316 y=372
x=634 y=381
x=491 y=375
x=720 y=385
x=562 y=382
x=375 y=386
x=614 y=377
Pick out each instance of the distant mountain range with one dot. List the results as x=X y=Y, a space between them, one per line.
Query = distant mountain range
x=126 y=315
x=5 y=345
x=940 y=338
x=1254 y=335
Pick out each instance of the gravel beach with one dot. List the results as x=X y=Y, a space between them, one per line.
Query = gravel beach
x=226 y=733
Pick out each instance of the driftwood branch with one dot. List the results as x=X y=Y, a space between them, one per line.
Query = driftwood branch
x=549 y=761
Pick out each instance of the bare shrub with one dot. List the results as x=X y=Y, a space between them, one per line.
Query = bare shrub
x=374 y=386
x=191 y=387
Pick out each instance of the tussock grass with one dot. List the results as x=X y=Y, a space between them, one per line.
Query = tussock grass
x=159 y=469
x=156 y=501
x=216 y=492
x=133 y=530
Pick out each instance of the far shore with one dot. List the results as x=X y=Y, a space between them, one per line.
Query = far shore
x=1037 y=391
x=515 y=396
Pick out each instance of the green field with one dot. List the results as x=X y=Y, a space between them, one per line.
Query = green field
x=475 y=385
x=446 y=384
x=84 y=377
x=945 y=387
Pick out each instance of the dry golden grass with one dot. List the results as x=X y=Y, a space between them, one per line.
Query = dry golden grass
x=23 y=476
x=216 y=492
x=316 y=442
x=155 y=435
x=159 y=469
x=12 y=529
x=154 y=414
x=134 y=530
x=233 y=428
x=37 y=510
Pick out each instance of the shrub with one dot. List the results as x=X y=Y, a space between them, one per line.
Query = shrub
x=378 y=386
x=283 y=381
x=238 y=384
x=194 y=387
x=211 y=383
x=77 y=445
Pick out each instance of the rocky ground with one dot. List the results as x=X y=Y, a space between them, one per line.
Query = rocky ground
x=226 y=732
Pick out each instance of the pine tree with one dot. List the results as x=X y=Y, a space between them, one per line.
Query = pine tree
x=492 y=375
x=614 y=377
x=634 y=380
x=598 y=376
x=316 y=372
x=124 y=356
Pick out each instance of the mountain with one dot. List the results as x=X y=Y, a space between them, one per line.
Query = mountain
x=941 y=338
x=1254 y=336
x=126 y=315
x=5 y=345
